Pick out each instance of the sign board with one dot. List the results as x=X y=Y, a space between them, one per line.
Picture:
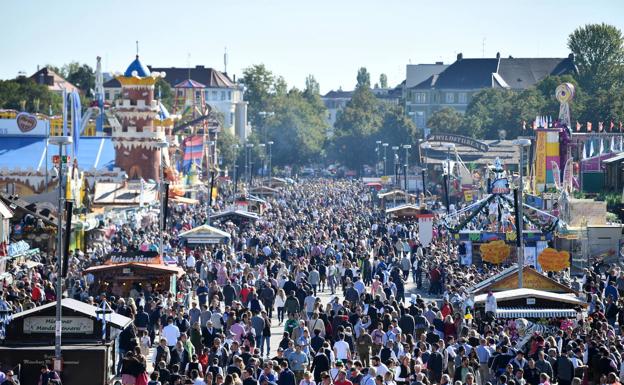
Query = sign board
x=24 y=124
x=459 y=139
x=425 y=226
x=531 y=280
x=151 y=257
x=71 y=325
x=530 y=301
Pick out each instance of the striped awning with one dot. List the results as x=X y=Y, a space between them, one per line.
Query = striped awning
x=535 y=313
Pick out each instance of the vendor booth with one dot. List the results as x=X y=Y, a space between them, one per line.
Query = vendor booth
x=123 y=271
x=251 y=203
x=396 y=197
x=204 y=234
x=88 y=350
x=405 y=212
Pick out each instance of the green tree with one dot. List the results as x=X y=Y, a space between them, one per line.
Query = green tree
x=27 y=93
x=313 y=95
x=446 y=120
x=363 y=78
x=80 y=75
x=489 y=111
x=599 y=55
x=226 y=145
x=259 y=84
x=383 y=81
x=164 y=92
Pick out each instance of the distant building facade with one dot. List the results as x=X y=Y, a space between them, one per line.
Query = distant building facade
x=55 y=82
x=455 y=85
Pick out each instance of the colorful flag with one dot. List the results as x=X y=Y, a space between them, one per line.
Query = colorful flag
x=193 y=151
x=556 y=175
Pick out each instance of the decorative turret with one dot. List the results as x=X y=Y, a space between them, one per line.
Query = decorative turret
x=135 y=140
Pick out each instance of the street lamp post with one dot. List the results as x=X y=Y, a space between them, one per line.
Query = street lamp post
x=407 y=147
x=270 y=143
x=161 y=148
x=263 y=157
x=396 y=165
x=385 y=147
x=235 y=166
x=425 y=146
x=448 y=146
x=61 y=141
x=521 y=143
x=378 y=143
x=248 y=148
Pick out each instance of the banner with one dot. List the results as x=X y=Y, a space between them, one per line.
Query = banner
x=151 y=257
x=540 y=161
x=425 y=228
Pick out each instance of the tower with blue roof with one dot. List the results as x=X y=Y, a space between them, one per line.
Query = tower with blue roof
x=136 y=138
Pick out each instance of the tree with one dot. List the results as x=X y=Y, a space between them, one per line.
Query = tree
x=25 y=94
x=258 y=82
x=313 y=96
x=383 y=81
x=363 y=78
x=599 y=55
x=82 y=76
x=446 y=120
x=164 y=92
x=226 y=145
x=489 y=111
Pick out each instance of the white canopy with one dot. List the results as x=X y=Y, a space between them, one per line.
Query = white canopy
x=205 y=234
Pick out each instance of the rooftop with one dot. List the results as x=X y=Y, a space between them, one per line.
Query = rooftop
x=209 y=77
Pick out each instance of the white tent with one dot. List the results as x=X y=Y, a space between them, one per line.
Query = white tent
x=205 y=234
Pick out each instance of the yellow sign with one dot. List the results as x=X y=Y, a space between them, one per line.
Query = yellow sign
x=540 y=159
x=530 y=280
x=468 y=196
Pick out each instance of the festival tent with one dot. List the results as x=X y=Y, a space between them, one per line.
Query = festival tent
x=508 y=279
x=205 y=234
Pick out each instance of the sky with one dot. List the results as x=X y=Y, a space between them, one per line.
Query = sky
x=329 y=39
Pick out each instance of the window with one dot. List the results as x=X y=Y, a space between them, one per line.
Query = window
x=420 y=97
x=106 y=95
x=214 y=95
x=229 y=95
x=462 y=97
x=222 y=95
x=450 y=97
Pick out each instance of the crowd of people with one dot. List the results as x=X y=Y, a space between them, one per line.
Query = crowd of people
x=360 y=299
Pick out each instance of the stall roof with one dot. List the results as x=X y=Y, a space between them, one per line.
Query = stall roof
x=117 y=320
x=395 y=192
x=397 y=209
x=525 y=293
x=149 y=266
x=236 y=213
x=263 y=190
x=508 y=279
x=5 y=211
x=204 y=234
x=120 y=194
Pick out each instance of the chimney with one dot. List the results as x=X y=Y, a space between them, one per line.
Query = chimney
x=460 y=56
x=497 y=55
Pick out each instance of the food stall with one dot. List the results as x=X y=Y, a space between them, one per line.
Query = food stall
x=204 y=234
x=87 y=351
x=123 y=271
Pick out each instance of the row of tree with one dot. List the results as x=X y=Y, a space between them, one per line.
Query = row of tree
x=599 y=56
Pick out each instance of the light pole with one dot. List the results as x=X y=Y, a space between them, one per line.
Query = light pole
x=448 y=146
x=385 y=147
x=161 y=149
x=521 y=143
x=61 y=141
x=425 y=146
x=378 y=142
x=235 y=166
x=270 y=143
x=396 y=165
x=262 y=156
x=248 y=148
x=407 y=147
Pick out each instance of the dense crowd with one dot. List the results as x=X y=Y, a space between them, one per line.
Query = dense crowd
x=399 y=313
